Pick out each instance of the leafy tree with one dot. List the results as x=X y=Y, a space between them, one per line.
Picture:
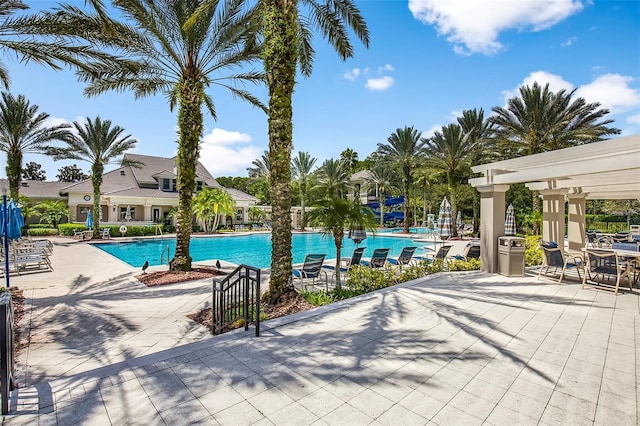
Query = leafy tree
x=335 y=214
x=180 y=49
x=33 y=171
x=51 y=211
x=98 y=143
x=210 y=204
x=334 y=178
x=240 y=183
x=23 y=131
x=256 y=214
x=301 y=166
x=383 y=179
x=71 y=174
x=287 y=44
x=403 y=150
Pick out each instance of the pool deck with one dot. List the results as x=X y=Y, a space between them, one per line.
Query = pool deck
x=457 y=348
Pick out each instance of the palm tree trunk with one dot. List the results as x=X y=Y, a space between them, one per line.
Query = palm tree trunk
x=424 y=205
x=280 y=60
x=536 y=208
x=14 y=171
x=190 y=132
x=303 y=191
x=97 y=169
x=338 y=241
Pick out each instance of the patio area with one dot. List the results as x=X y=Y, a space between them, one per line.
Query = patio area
x=456 y=348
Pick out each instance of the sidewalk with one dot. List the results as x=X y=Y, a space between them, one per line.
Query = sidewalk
x=458 y=348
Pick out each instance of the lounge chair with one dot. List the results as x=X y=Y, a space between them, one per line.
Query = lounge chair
x=378 y=258
x=601 y=265
x=405 y=257
x=311 y=270
x=554 y=257
x=355 y=259
x=105 y=234
x=431 y=254
x=471 y=251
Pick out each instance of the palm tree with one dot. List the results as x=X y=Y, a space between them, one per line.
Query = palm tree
x=449 y=151
x=350 y=158
x=23 y=131
x=287 y=44
x=540 y=120
x=383 y=180
x=180 y=49
x=403 y=150
x=50 y=211
x=260 y=167
x=333 y=177
x=301 y=167
x=98 y=143
x=335 y=214
x=211 y=203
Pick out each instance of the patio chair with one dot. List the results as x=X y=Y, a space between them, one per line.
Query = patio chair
x=355 y=259
x=471 y=251
x=105 y=233
x=78 y=235
x=554 y=257
x=405 y=257
x=594 y=240
x=311 y=269
x=442 y=253
x=603 y=265
x=378 y=258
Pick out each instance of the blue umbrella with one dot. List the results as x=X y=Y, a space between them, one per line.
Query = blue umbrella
x=10 y=228
x=89 y=221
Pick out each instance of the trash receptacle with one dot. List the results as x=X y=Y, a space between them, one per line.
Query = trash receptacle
x=511 y=256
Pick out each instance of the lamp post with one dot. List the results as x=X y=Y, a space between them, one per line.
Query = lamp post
x=5 y=239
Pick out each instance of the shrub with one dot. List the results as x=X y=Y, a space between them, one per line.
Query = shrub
x=42 y=232
x=39 y=225
x=363 y=279
x=67 y=229
x=464 y=265
x=532 y=254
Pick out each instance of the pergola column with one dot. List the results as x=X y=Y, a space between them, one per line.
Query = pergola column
x=577 y=227
x=492 y=212
x=553 y=215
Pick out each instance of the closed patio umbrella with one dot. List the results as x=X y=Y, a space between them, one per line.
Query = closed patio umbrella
x=89 y=221
x=459 y=223
x=510 y=221
x=127 y=214
x=445 y=227
x=10 y=228
x=357 y=234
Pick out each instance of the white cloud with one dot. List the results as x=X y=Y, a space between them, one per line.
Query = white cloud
x=569 y=42
x=385 y=68
x=352 y=74
x=612 y=91
x=431 y=131
x=556 y=83
x=382 y=83
x=226 y=153
x=474 y=26
x=634 y=119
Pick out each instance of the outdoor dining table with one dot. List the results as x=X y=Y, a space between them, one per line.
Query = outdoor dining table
x=630 y=259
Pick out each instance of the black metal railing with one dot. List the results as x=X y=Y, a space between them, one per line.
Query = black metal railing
x=7 y=337
x=236 y=300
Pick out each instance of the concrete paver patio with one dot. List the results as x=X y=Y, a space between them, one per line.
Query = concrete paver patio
x=458 y=348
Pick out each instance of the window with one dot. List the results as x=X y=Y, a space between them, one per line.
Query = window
x=199 y=185
x=166 y=185
x=240 y=215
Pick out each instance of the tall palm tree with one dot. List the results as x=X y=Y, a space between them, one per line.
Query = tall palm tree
x=335 y=214
x=301 y=167
x=260 y=167
x=98 y=143
x=350 y=158
x=383 y=180
x=333 y=178
x=23 y=131
x=540 y=120
x=403 y=150
x=180 y=49
x=450 y=151
x=287 y=44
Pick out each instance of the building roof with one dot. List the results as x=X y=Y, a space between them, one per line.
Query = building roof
x=38 y=189
x=160 y=165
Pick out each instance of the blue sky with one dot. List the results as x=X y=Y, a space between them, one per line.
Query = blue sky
x=428 y=60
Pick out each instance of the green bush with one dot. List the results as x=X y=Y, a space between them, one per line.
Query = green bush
x=464 y=265
x=532 y=254
x=42 y=232
x=38 y=225
x=67 y=229
x=363 y=279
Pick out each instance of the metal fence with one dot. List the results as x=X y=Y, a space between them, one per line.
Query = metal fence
x=236 y=300
x=7 y=338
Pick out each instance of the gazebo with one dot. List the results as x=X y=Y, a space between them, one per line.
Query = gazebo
x=603 y=170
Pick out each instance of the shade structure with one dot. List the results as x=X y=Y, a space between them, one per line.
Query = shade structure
x=459 y=220
x=510 y=221
x=89 y=221
x=445 y=226
x=357 y=234
x=390 y=201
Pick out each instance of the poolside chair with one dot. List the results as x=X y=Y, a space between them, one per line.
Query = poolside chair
x=105 y=234
x=471 y=251
x=604 y=265
x=378 y=258
x=594 y=240
x=554 y=257
x=431 y=254
x=355 y=259
x=405 y=257
x=311 y=270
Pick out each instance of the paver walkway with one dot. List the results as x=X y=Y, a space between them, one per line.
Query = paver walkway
x=460 y=348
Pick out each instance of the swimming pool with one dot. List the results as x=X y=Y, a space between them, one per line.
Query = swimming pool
x=253 y=250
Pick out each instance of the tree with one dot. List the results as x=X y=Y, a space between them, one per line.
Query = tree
x=287 y=44
x=71 y=174
x=256 y=214
x=211 y=203
x=181 y=49
x=383 y=179
x=261 y=166
x=540 y=120
x=301 y=166
x=350 y=158
x=334 y=178
x=403 y=150
x=33 y=171
x=98 y=143
x=23 y=131
x=335 y=214
x=51 y=211
x=449 y=151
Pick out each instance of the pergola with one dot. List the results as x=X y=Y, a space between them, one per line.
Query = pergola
x=608 y=169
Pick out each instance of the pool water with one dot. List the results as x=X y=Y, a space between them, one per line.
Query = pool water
x=253 y=250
